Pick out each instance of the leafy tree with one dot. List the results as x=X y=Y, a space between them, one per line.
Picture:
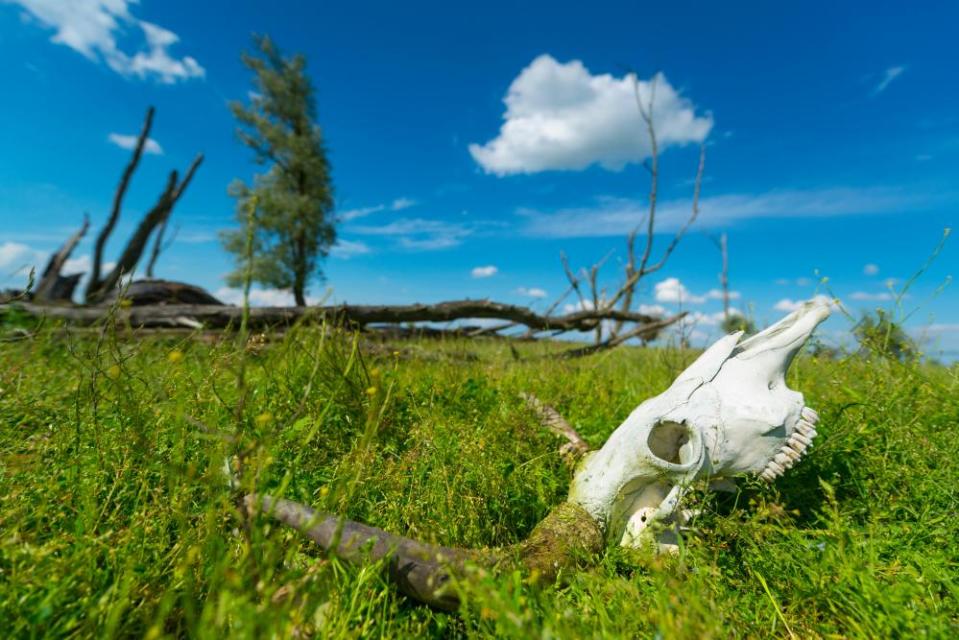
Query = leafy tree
x=292 y=203
x=880 y=335
x=735 y=322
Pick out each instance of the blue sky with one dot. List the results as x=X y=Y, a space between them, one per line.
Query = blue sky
x=464 y=137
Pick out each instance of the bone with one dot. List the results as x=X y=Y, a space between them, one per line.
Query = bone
x=801 y=438
x=784 y=461
x=714 y=421
x=792 y=454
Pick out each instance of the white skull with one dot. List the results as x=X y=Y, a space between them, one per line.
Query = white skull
x=728 y=414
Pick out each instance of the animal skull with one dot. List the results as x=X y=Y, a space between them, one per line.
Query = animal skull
x=728 y=414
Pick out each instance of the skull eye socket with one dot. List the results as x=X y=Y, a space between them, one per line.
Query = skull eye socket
x=666 y=440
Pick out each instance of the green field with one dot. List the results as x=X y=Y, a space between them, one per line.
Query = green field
x=116 y=519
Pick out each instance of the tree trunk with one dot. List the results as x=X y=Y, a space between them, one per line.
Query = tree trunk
x=138 y=241
x=215 y=316
x=94 y=284
x=52 y=286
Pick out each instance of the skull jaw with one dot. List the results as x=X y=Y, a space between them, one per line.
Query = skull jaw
x=736 y=415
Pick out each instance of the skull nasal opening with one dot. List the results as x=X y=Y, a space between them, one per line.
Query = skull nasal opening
x=666 y=440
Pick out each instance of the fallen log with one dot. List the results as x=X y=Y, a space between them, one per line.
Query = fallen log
x=217 y=316
x=140 y=293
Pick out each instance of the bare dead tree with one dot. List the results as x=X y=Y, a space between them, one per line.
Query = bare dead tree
x=158 y=216
x=121 y=191
x=53 y=287
x=721 y=244
x=639 y=265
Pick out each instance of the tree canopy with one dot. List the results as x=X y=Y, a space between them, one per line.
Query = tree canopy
x=288 y=208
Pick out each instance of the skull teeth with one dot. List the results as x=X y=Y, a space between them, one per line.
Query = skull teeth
x=795 y=446
x=801 y=439
x=791 y=453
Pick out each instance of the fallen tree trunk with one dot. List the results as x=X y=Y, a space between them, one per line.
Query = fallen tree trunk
x=216 y=316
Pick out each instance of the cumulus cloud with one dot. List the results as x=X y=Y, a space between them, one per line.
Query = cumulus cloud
x=419 y=234
x=653 y=309
x=789 y=305
x=130 y=141
x=672 y=290
x=16 y=255
x=562 y=117
x=402 y=203
x=91 y=28
x=865 y=296
x=346 y=249
x=81 y=264
x=870 y=269
x=260 y=297
x=532 y=292
x=484 y=272
x=612 y=216
x=361 y=212
x=888 y=76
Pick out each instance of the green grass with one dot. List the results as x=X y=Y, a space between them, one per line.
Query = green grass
x=116 y=520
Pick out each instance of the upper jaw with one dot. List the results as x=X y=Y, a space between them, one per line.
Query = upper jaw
x=796 y=445
x=773 y=349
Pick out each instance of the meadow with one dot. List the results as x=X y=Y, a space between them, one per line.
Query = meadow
x=116 y=519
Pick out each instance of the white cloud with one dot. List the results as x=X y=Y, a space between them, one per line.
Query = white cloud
x=789 y=305
x=419 y=234
x=653 y=310
x=17 y=255
x=888 y=76
x=582 y=305
x=397 y=205
x=532 y=292
x=130 y=141
x=672 y=290
x=91 y=28
x=361 y=212
x=870 y=269
x=484 y=272
x=939 y=329
x=346 y=249
x=612 y=216
x=260 y=297
x=717 y=294
x=866 y=296
x=82 y=264
x=698 y=318
x=402 y=203
x=560 y=116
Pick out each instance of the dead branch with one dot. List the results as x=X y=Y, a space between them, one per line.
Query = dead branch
x=158 y=245
x=137 y=243
x=643 y=332
x=52 y=286
x=107 y=229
